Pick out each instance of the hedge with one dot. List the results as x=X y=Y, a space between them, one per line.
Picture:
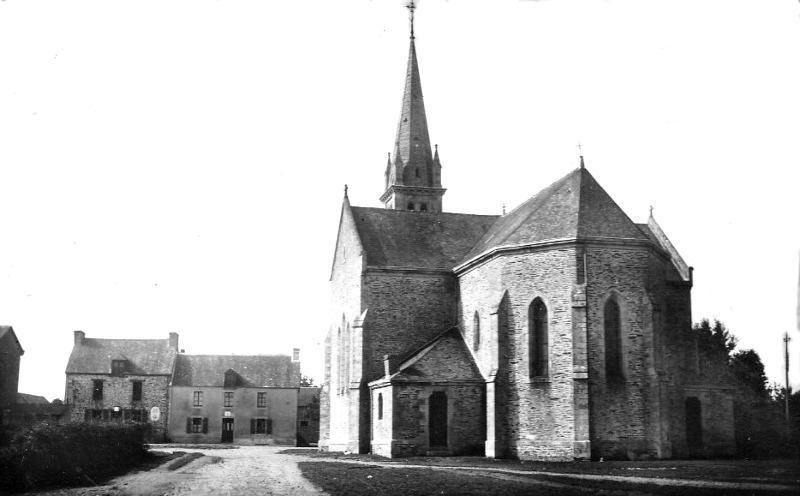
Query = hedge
x=70 y=454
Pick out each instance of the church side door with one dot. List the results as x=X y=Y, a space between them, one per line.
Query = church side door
x=437 y=425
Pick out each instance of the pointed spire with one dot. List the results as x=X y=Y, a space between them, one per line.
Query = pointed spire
x=412 y=164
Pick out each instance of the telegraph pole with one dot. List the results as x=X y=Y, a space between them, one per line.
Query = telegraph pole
x=786 y=340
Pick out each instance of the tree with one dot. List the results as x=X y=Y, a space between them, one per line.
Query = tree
x=306 y=381
x=716 y=341
x=748 y=370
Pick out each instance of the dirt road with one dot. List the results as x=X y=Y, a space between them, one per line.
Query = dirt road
x=248 y=470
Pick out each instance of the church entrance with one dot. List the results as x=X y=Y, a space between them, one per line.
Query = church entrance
x=694 y=425
x=437 y=425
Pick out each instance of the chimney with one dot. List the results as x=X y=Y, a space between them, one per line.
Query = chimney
x=79 y=337
x=389 y=364
x=173 y=341
x=296 y=354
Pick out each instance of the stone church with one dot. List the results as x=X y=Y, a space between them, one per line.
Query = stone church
x=561 y=330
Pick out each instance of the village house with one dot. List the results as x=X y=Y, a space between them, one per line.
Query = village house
x=121 y=380
x=561 y=330
x=235 y=399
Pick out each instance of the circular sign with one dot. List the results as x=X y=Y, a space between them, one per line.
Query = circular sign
x=155 y=414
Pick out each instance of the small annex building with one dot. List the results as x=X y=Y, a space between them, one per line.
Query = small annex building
x=121 y=380
x=235 y=399
x=561 y=330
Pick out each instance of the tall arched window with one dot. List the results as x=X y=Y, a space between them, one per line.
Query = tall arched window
x=339 y=358
x=613 y=339
x=380 y=406
x=538 y=355
x=476 y=331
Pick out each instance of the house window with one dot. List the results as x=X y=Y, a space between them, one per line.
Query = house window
x=613 y=339
x=261 y=400
x=196 y=425
x=97 y=390
x=228 y=399
x=118 y=367
x=197 y=399
x=137 y=391
x=380 y=406
x=261 y=426
x=538 y=339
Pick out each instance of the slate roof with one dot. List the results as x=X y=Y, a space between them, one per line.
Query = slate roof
x=574 y=207
x=30 y=399
x=399 y=238
x=251 y=370
x=143 y=356
x=8 y=329
x=427 y=363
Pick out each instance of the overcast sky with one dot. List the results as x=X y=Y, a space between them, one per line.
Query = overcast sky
x=179 y=166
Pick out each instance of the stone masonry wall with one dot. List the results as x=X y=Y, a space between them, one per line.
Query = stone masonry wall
x=540 y=412
x=623 y=409
x=117 y=392
x=405 y=311
x=465 y=406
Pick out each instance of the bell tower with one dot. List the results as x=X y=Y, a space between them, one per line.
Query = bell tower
x=413 y=175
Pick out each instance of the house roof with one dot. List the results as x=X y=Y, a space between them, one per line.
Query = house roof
x=30 y=399
x=574 y=207
x=8 y=330
x=399 y=238
x=142 y=356
x=250 y=370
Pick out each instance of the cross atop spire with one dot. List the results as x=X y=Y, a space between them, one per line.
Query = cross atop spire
x=411 y=8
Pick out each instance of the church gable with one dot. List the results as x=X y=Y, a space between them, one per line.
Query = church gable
x=445 y=359
x=349 y=249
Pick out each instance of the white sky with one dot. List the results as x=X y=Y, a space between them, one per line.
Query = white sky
x=178 y=166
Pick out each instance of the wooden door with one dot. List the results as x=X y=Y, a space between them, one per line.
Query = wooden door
x=227 y=430
x=438 y=420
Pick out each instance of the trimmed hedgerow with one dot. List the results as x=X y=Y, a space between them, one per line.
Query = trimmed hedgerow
x=70 y=454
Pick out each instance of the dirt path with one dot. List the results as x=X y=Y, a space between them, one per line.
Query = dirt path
x=249 y=470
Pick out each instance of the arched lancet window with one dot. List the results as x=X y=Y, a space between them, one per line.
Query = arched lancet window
x=410 y=206
x=380 y=406
x=417 y=171
x=538 y=345
x=423 y=207
x=339 y=358
x=476 y=331
x=613 y=339
x=347 y=350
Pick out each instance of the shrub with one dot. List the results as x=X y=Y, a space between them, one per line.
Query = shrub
x=70 y=454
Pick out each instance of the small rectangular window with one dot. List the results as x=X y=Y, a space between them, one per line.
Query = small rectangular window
x=197 y=399
x=262 y=400
x=137 y=391
x=97 y=390
x=228 y=399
